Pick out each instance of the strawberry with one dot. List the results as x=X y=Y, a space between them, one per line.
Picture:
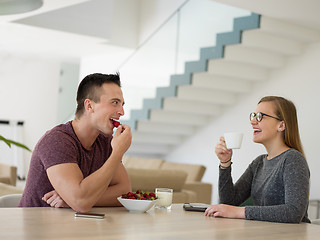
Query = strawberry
x=115 y=123
x=152 y=194
x=140 y=195
x=124 y=195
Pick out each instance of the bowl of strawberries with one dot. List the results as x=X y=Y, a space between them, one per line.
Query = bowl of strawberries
x=138 y=201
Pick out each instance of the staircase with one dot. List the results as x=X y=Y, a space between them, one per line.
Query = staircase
x=247 y=55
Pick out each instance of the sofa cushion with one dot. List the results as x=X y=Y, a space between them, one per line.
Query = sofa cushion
x=149 y=179
x=6 y=189
x=8 y=174
x=195 y=171
x=5 y=180
x=185 y=196
x=142 y=163
x=203 y=191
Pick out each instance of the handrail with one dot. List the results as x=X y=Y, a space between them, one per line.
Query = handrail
x=152 y=35
x=172 y=49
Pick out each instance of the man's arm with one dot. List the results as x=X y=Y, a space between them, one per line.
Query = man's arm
x=80 y=193
x=120 y=184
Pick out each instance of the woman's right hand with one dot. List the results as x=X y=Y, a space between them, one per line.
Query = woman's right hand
x=222 y=152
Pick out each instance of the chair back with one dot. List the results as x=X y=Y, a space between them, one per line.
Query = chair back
x=316 y=221
x=11 y=200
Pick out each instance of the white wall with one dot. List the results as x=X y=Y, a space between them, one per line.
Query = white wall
x=299 y=82
x=153 y=13
x=29 y=93
x=29 y=85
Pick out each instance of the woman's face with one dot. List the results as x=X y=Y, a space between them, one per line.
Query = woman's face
x=267 y=129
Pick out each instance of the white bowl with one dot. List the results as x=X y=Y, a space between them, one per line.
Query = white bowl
x=138 y=206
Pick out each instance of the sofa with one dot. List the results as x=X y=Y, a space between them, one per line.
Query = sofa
x=185 y=179
x=6 y=189
x=8 y=174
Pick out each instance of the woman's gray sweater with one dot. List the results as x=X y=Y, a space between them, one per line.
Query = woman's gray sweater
x=279 y=188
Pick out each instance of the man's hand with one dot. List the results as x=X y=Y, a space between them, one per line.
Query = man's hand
x=54 y=200
x=226 y=211
x=122 y=139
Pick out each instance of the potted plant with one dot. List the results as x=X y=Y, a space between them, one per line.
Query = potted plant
x=10 y=142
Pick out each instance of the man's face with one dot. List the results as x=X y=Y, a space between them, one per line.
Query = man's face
x=110 y=107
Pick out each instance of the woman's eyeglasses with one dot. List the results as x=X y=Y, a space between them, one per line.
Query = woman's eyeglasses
x=259 y=116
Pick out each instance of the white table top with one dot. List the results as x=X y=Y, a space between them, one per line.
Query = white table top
x=51 y=223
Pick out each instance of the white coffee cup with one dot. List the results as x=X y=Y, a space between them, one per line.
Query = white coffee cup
x=233 y=140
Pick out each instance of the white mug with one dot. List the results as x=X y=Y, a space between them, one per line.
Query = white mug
x=233 y=140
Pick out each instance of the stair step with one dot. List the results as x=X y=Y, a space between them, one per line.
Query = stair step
x=223 y=73
x=181 y=118
x=288 y=30
x=255 y=56
x=190 y=92
x=238 y=70
x=212 y=81
x=148 y=148
x=259 y=39
x=191 y=107
x=160 y=127
x=145 y=137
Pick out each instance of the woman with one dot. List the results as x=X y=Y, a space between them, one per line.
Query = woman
x=277 y=182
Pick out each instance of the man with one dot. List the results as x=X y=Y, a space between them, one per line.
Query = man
x=78 y=164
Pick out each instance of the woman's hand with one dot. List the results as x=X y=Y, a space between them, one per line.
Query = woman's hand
x=222 y=152
x=54 y=200
x=225 y=211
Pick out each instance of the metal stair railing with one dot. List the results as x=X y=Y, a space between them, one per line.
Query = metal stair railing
x=206 y=53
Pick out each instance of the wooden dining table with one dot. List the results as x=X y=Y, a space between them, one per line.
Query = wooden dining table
x=119 y=223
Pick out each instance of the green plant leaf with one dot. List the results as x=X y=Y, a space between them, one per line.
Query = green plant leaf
x=5 y=140
x=9 y=142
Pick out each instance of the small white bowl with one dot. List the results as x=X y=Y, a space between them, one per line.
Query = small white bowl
x=137 y=206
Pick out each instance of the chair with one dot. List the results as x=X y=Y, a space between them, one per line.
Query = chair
x=11 y=200
x=316 y=221
x=248 y=202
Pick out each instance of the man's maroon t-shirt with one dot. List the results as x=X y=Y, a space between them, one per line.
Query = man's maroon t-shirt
x=58 y=146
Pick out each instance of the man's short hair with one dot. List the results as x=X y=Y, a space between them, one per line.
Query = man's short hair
x=90 y=88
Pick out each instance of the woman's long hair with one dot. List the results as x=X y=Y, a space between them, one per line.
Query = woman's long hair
x=286 y=110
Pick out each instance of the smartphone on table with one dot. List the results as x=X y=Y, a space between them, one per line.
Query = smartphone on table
x=89 y=215
x=197 y=207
